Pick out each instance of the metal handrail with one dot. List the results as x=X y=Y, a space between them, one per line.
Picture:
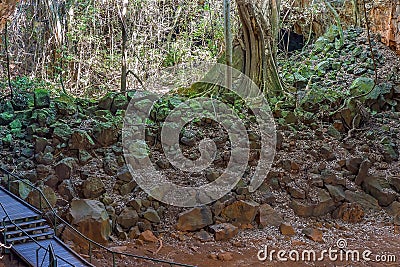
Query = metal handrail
x=90 y=241
x=23 y=231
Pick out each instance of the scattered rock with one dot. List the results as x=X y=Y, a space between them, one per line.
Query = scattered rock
x=66 y=190
x=353 y=164
x=327 y=153
x=325 y=205
x=80 y=140
x=151 y=215
x=241 y=212
x=363 y=172
x=380 y=189
x=295 y=191
x=148 y=236
x=105 y=133
x=124 y=175
x=120 y=102
x=287 y=229
x=223 y=231
x=203 y=236
x=93 y=187
x=394 y=208
x=41 y=98
x=313 y=234
x=65 y=168
x=268 y=216
x=134 y=232
x=225 y=256
x=349 y=212
x=128 y=218
x=366 y=201
x=34 y=197
x=194 y=219
x=336 y=192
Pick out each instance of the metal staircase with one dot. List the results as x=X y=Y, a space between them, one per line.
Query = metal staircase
x=32 y=237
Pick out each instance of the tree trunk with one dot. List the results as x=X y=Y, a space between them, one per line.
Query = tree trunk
x=258 y=40
x=7 y=8
x=123 y=46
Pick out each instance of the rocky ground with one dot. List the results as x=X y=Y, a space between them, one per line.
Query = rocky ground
x=335 y=175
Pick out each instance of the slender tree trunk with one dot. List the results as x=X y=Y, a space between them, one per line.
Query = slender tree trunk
x=124 y=41
x=228 y=41
x=259 y=39
x=356 y=14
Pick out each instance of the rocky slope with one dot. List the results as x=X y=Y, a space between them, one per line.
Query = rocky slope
x=322 y=177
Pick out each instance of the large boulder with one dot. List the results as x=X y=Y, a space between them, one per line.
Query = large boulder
x=90 y=218
x=37 y=200
x=194 y=219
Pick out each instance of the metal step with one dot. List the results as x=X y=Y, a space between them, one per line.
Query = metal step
x=25 y=238
x=27 y=230
x=26 y=222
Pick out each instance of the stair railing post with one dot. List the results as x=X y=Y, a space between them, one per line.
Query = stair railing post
x=55 y=224
x=5 y=231
x=114 y=263
x=90 y=252
x=8 y=182
x=37 y=257
x=40 y=201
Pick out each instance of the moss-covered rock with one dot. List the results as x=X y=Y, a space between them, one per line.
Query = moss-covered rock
x=15 y=124
x=7 y=140
x=106 y=101
x=6 y=118
x=65 y=105
x=62 y=131
x=41 y=98
x=120 y=102
x=105 y=133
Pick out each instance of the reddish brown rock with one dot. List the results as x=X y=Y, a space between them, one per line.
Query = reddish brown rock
x=379 y=188
x=349 y=212
x=90 y=218
x=313 y=234
x=286 y=229
x=225 y=256
x=241 y=212
x=194 y=219
x=268 y=216
x=223 y=231
x=148 y=236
